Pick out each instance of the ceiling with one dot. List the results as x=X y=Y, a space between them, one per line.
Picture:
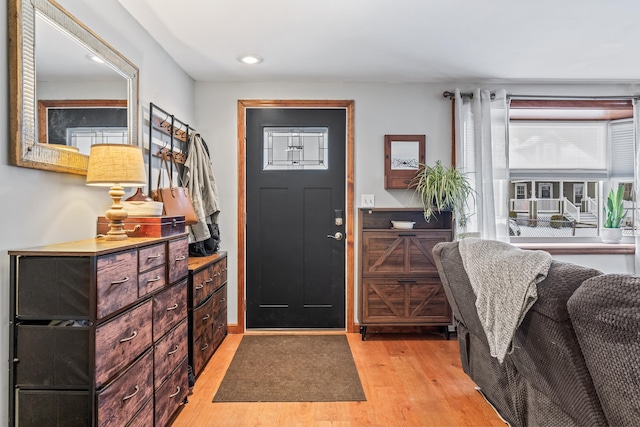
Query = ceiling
x=535 y=41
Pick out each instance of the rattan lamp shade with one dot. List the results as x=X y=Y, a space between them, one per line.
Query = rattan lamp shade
x=116 y=166
x=111 y=164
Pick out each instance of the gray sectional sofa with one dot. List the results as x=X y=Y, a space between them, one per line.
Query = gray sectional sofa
x=560 y=370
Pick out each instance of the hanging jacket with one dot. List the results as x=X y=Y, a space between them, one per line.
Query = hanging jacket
x=198 y=177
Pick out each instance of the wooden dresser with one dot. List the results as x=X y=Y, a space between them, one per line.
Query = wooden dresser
x=399 y=283
x=207 y=307
x=98 y=333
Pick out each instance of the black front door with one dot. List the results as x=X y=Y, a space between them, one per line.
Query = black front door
x=295 y=199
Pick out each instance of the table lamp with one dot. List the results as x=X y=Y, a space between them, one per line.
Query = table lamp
x=116 y=166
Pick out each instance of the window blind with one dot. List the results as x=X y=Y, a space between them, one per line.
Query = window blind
x=558 y=145
x=621 y=148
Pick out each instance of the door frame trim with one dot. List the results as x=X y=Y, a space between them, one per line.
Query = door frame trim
x=348 y=105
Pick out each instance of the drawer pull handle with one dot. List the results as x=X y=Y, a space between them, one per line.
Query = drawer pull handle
x=218 y=274
x=119 y=282
x=198 y=287
x=222 y=300
x=407 y=234
x=209 y=280
x=153 y=280
x=406 y=280
x=173 y=351
x=207 y=317
x=181 y=258
x=132 y=394
x=154 y=256
x=133 y=335
x=206 y=346
x=173 y=307
x=176 y=393
x=221 y=326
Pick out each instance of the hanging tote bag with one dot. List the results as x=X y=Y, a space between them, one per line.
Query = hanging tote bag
x=175 y=199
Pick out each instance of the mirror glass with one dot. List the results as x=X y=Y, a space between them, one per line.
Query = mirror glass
x=69 y=89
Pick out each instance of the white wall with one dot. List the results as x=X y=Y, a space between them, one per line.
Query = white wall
x=40 y=207
x=379 y=109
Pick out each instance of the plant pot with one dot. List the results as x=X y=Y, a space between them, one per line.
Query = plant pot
x=611 y=235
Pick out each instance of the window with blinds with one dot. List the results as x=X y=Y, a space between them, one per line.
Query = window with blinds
x=556 y=146
x=622 y=154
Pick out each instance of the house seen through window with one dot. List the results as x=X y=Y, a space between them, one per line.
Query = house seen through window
x=564 y=156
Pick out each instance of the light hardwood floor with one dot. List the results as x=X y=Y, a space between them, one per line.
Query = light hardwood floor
x=408 y=379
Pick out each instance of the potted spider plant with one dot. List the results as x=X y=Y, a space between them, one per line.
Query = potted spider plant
x=442 y=189
x=614 y=214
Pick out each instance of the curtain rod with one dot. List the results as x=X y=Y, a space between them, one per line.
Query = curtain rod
x=450 y=95
x=578 y=97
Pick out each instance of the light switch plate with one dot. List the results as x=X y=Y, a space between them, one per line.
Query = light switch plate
x=367 y=200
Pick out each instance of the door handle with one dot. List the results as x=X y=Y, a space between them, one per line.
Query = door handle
x=337 y=236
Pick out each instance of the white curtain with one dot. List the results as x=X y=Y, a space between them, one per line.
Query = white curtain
x=481 y=126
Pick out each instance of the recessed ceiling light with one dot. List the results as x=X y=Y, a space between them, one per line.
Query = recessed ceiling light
x=250 y=59
x=95 y=58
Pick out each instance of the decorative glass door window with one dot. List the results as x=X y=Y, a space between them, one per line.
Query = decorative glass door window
x=294 y=149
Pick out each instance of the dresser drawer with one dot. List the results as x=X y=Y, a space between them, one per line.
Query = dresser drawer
x=202 y=350
x=53 y=287
x=121 y=340
x=53 y=355
x=220 y=301
x=169 y=351
x=401 y=251
x=169 y=308
x=219 y=329
x=117 y=282
x=151 y=281
x=219 y=273
x=119 y=401
x=171 y=394
x=152 y=257
x=203 y=317
x=203 y=285
x=144 y=418
x=178 y=259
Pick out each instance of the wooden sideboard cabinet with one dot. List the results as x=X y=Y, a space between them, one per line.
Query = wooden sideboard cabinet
x=98 y=333
x=207 y=307
x=399 y=282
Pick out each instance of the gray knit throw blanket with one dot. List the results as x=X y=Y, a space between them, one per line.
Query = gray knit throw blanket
x=504 y=280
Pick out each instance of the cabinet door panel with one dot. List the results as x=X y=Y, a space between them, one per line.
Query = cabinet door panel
x=408 y=301
x=407 y=251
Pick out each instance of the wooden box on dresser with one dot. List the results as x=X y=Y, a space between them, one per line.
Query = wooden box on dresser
x=399 y=283
x=207 y=307
x=98 y=333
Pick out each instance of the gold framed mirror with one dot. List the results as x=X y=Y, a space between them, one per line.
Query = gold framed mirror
x=49 y=59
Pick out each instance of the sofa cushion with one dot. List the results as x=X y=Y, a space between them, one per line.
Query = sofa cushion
x=605 y=312
x=561 y=282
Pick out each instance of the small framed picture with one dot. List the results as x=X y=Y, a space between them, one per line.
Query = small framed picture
x=403 y=155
